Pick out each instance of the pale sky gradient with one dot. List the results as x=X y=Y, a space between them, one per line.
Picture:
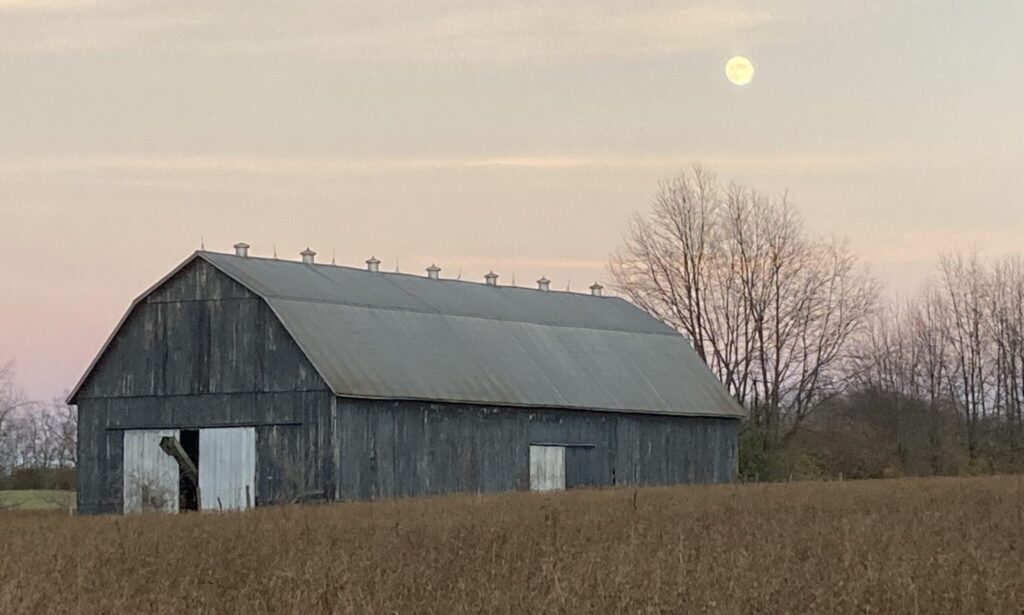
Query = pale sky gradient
x=518 y=136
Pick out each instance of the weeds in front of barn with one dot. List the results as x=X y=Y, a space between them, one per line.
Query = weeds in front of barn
x=908 y=545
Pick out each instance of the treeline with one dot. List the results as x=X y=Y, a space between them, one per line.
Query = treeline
x=954 y=355
x=839 y=382
x=37 y=440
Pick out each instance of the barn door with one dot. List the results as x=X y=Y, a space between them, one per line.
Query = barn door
x=227 y=468
x=149 y=475
x=547 y=468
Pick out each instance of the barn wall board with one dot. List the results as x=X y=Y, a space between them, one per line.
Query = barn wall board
x=402 y=448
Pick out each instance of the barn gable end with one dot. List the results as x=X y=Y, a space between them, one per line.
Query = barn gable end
x=199 y=332
x=200 y=351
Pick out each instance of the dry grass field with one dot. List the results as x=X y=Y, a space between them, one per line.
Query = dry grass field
x=898 y=546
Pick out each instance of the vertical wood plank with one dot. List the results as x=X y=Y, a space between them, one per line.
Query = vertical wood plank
x=227 y=467
x=150 y=475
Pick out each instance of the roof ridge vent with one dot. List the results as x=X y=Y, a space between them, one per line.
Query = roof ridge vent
x=242 y=249
x=433 y=272
x=596 y=289
x=544 y=284
x=373 y=264
x=308 y=256
x=491 y=278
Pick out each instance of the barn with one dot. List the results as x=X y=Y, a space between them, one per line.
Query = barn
x=239 y=381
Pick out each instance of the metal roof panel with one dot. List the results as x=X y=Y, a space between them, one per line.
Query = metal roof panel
x=397 y=336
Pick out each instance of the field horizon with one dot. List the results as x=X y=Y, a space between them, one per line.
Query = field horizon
x=897 y=545
x=37 y=499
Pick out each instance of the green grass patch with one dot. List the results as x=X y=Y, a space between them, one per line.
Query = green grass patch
x=36 y=499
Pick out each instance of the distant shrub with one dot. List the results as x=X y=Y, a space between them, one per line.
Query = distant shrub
x=62 y=479
x=759 y=462
x=753 y=456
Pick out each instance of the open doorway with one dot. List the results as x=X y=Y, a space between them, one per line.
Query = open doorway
x=216 y=468
x=188 y=490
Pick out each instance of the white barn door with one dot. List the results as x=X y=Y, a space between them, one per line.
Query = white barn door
x=149 y=475
x=227 y=468
x=547 y=468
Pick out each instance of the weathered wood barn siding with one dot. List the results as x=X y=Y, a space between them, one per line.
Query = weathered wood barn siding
x=203 y=351
x=407 y=448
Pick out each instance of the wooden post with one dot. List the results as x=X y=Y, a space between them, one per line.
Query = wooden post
x=172 y=447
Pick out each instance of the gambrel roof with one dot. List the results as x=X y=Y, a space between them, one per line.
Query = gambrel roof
x=396 y=336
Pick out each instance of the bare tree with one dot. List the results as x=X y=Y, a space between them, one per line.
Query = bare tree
x=928 y=325
x=34 y=436
x=771 y=310
x=788 y=322
x=959 y=347
x=966 y=288
x=904 y=358
x=1005 y=329
x=11 y=404
x=60 y=428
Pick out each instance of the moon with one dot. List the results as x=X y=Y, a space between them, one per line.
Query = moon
x=739 y=70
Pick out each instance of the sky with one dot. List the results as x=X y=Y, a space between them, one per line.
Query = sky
x=517 y=136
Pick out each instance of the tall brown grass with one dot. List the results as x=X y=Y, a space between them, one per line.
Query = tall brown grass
x=906 y=546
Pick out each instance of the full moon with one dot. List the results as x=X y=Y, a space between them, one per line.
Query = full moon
x=739 y=70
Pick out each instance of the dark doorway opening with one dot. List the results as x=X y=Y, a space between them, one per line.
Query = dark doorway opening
x=188 y=491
